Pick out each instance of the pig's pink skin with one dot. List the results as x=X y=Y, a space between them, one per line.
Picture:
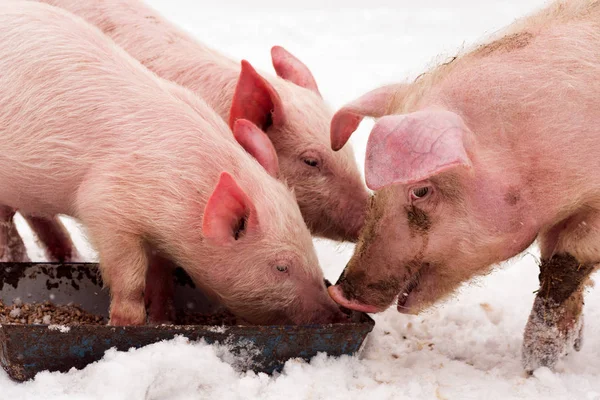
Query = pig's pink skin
x=332 y=196
x=135 y=158
x=373 y=104
x=528 y=104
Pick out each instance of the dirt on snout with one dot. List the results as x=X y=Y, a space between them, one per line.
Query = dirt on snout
x=47 y=313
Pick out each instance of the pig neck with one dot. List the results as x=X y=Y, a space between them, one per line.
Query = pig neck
x=522 y=165
x=534 y=131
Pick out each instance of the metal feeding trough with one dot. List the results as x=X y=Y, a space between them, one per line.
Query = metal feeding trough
x=28 y=349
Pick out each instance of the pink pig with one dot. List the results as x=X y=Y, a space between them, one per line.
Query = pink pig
x=289 y=108
x=136 y=158
x=474 y=161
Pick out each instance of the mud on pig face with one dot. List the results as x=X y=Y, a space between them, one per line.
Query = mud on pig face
x=432 y=224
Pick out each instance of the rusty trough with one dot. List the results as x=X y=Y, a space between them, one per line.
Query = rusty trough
x=26 y=350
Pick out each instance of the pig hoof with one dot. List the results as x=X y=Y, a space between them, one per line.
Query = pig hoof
x=543 y=350
x=547 y=338
x=124 y=321
x=578 y=343
x=127 y=315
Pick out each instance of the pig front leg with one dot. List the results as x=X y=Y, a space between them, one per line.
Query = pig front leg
x=555 y=324
x=12 y=247
x=123 y=264
x=54 y=237
x=570 y=253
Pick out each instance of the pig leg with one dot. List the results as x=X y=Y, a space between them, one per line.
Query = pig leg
x=123 y=263
x=54 y=238
x=556 y=321
x=555 y=325
x=160 y=289
x=12 y=247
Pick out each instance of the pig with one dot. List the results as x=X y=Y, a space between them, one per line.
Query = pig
x=288 y=107
x=474 y=161
x=143 y=162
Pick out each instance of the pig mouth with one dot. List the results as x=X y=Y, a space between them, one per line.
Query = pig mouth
x=338 y=296
x=405 y=295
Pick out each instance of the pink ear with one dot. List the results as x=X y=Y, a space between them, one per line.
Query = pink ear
x=255 y=99
x=291 y=69
x=409 y=148
x=226 y=208
x=257 y=143
x=373 y=104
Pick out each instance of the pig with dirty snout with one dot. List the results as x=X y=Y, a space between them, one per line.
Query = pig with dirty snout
x=288 y=107
x=476 y=159
x=144 y=163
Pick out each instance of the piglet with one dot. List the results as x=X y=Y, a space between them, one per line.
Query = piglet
x=144 y=163
x=288 y=107
x=475 y=160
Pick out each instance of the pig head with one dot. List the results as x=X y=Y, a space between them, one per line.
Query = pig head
x=439 y=216
x=290 y=109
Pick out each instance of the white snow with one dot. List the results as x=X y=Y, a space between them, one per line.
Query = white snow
x=466 y=348
x=60 y=328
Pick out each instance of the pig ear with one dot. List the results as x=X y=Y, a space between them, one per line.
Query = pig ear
x=291 y=69
x=227 y=213
x=408 y=148
x=373 y=104
x=255 y=99
x=257 y=143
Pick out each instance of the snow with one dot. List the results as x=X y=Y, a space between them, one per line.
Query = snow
x=466 y=348
x=60 y=328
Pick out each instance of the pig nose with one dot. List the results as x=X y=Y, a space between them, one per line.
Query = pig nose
x=332 y=314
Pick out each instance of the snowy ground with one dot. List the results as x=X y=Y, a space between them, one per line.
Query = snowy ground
x=467 y=348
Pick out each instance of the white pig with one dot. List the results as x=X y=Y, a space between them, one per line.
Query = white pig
x=89 y=132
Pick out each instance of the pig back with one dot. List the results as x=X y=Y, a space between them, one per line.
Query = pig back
x=72 y=102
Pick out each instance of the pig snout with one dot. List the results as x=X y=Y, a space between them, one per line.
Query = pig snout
x=337 y=294
x=354 y=215
x=329 y=313
x=321 y=309
x=356 y=291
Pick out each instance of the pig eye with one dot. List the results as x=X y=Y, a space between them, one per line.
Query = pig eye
x=282 y=268
x=311 y=162
x=420 y=192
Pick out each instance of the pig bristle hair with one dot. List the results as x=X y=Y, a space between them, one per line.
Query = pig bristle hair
x=333 y=198
x=135 y=158
x=565 y=10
